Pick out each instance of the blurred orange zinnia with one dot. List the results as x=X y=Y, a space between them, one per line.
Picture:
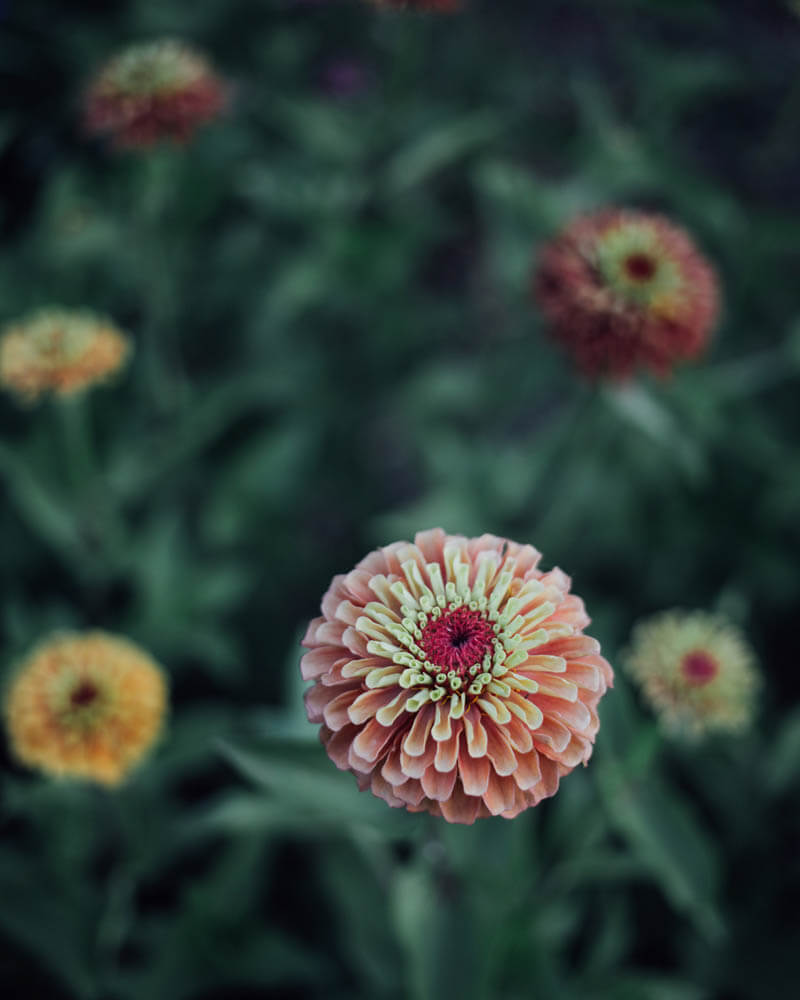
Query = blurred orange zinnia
x=625 y=289
x=61 y=351
x=152 y=91
x=451 y=675
x=85 y=706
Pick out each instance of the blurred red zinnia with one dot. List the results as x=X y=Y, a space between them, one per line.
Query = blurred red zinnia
x=625 y=289
x=153 y=91
x=452 y=676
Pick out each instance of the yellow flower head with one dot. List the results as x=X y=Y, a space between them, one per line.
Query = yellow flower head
x=61 y=351
x=696 y=670
x=85 y=706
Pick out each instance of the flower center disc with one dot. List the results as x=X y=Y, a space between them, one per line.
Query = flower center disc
x=457 y=639
x=640 y=267
x=699 y=668
x=83 y=695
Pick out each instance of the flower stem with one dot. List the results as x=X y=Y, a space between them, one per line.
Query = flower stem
x=78 y=450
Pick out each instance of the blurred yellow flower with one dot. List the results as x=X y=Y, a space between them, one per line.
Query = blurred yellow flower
x=61 y=351
x=696 y=670
x=85 y=706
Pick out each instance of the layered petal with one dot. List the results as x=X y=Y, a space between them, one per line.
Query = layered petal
x=451 y=675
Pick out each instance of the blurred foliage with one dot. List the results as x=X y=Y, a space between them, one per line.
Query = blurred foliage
x=336 y=347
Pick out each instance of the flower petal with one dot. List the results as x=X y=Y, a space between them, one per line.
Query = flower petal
x=474 y=773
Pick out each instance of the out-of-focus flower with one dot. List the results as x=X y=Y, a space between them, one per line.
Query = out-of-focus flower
x=85 y=706
x=153 y=91
x=452 y=676
x=61 y=351
x=625 y=289
x=345 y=78
x=696 y=670
x=441 y=6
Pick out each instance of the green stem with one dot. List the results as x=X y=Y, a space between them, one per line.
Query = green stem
x=162 y=363
x=78 y=451
x=117 y=915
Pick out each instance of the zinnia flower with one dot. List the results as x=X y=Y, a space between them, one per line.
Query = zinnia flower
x=86 y=706
x=452 y=676
x=153 y=91
x=696 y=670
x=61 y=351
x=625 y=289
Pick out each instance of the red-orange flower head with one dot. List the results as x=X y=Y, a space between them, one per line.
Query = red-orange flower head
x=153 y=91
x=452 y=676
x=625 y=289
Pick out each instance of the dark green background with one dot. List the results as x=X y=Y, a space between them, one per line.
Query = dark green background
x=335 y=347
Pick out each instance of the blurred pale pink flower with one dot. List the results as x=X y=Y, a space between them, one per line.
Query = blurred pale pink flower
x=451 y=675
x=696 y=670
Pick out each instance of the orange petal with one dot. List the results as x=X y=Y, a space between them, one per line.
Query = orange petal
x=319 y=661
x=372 y=739
x=528 y=773
x=500 y=794
x=552 y=735
x=474 y=773
x=417 y=737
x=415 y=767
x=573 y=714
x=310 y=638
x=335 y=711
x=368 y=703
x=498 y=749
x=447 y=752
x=461 y=808
x=438 y=786
x=475 y=733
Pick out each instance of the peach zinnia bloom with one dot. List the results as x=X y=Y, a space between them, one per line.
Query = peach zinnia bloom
x=625 y=289
x=696 y=670
x=452 y=676
x=86 y=706
x=61 y=351
x=153 y=91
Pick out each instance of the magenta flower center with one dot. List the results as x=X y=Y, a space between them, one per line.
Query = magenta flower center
x=699 y=668
x=83 y=695
x=458 y=639
x=640 y=267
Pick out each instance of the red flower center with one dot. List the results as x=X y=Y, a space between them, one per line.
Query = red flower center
x=457 y=639
x=699 y=668
x=83 y=695
x=640 y=266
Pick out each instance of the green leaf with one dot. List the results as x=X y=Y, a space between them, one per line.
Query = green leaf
x=667 y=838
x=441 y=146
x=309 y=784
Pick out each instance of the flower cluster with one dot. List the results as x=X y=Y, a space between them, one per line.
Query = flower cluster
x=696 y=670
x=625 y=289
x=61 y=351
x=153 y=91
x=451 y=675
x=86 y=706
